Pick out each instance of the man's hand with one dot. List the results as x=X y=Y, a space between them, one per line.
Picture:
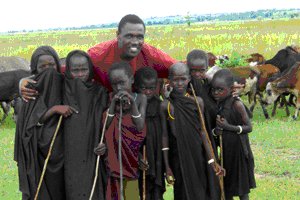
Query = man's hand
x=237 y=89
x=27 y=93
x=100 y=149
x=220 y=171
x=170 y=176
x=64 y=110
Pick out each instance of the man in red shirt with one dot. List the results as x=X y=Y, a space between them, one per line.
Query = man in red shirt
x=129 y=46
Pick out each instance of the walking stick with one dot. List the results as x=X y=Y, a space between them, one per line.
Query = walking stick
x=144 y=174
x=47 y=158
x=120 y=152
x=205 y=131
x=98 y=159
x=221 y=159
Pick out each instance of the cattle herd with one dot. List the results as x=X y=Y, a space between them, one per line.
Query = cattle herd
x=268 y=81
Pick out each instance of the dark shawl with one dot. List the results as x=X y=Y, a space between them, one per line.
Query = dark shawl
x=191 y=153
x=202 y=89
x=32 y=142
x=237 y=154
x=153 y=140
x=40 y=51
x=82 y=134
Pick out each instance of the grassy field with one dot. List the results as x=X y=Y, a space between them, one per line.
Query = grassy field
x=275 y=142
x=265 y=37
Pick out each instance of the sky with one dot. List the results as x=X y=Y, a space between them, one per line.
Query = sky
x=41 y=14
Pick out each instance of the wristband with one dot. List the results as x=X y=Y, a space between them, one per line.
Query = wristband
x=165 y=149
x=211 y=161
x=110 y=115
x=136 y=116
x=241 y=129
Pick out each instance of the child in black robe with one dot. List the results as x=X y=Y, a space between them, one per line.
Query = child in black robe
x=146 y=82
x=35 y=128
x=186 y=148
x=234 y=124
x=82 y=131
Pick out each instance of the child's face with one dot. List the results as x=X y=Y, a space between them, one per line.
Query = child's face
x=120 y=81
x=147 y=87
x=198 y=68
x=179 y=80
x=45 y=62
x=220 y=89
x=79 y=67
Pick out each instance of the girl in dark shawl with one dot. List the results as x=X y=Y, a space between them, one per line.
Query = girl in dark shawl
x=145 y=82
x=35 y=128
x=82 y=131
x=234 y=124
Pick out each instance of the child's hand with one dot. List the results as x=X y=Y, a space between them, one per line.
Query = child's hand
x=167 y=89
x=222 y=123
x=143 y=164
x=237 y=89
x=220 y=171
x=64 y=110
x=100 y=149
x=170 y=176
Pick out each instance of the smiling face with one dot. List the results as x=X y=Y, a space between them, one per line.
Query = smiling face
x=120 y=81
x=131 y=40
x=198 y=68
x=79 y=67
x=45 y=62
x=179 y=78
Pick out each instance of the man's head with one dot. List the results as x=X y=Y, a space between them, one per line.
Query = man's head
x=79 y=65
x=44 y=57
x=145 y=81
x=121 y=77
x=222 y=85
x=179 y=76
x=197 y=61
x=130 y=35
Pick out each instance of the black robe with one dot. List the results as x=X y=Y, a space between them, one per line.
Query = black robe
x=187 y=155
x=202 y=89
x=32 y=141
x=237 y=154
x=82 y=133
x=155 y=185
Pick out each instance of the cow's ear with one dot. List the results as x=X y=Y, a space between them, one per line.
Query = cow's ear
x=282 y=84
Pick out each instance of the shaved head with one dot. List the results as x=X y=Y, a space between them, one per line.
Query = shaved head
x=178 y=67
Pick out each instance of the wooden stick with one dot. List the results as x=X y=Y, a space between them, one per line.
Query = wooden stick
x=98 y=159
x=206 y=133
x=47 y=158
x=144 y=174
x=221 y=159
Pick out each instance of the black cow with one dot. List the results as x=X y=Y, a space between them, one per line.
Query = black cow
x=285 y=58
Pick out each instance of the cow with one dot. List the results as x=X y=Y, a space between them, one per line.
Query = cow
x=287 y=83
x=256 y=58
x=285 y=58
x=11 y=63
x=9 y=89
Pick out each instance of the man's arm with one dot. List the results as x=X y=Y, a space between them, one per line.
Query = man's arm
x=159 y=60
